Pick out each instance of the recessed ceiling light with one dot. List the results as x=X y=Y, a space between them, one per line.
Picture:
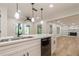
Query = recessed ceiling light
x=51 y=5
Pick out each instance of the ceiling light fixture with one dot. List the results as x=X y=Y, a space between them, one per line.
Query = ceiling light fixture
x=41 y=22
x=51 y=5
x=32 y=19
x=17 y=15
x=41 y=16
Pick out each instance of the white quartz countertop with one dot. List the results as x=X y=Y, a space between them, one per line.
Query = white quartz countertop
x=23 y=38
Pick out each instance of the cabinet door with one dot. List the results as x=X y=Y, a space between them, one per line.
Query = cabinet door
x=28 y=48
x=53 y=44
x=19 y=53
x=35 y=51
x=35 y=48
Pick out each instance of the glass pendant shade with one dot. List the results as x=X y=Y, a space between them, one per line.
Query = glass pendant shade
x=41 y=16
x=32 y=19
x=17 y=15
x=42 y=22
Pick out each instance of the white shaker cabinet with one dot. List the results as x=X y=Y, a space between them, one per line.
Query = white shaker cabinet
x=35 y=49
x=26 y=48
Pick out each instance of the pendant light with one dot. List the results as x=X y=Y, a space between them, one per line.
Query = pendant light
x=17 y=15
x=32 y=19
x=41 y=16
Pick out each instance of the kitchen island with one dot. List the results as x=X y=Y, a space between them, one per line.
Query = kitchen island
x=25 y=45
x=67 y=46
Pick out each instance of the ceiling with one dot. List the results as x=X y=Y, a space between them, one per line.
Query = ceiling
x=71 y=20
x=59 y=9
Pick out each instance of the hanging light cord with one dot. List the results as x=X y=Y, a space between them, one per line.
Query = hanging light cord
x=41 y=13
x=16 y=7
x=32 y=10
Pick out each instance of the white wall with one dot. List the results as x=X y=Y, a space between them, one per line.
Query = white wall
x=8 y=25
x=12 y=25
x=45 y=27
x=3 y=22
x=64 y=30
x=55 y=29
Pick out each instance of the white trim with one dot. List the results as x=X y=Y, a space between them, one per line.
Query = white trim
x=62 y=17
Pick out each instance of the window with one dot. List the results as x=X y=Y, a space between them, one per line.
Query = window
x=19 y=28
x=39 y=29
x=50 y=31
x=27 y=29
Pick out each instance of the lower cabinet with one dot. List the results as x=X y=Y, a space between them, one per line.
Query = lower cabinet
x=53 y=44
x=28 y=48
x=34 y=51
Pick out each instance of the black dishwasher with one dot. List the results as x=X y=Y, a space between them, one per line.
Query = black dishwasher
x=46 y=46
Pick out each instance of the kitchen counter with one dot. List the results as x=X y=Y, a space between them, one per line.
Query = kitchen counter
x=14 y=40
x=25 y=45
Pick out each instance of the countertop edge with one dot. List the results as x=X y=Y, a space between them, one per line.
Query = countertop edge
x=2 y=44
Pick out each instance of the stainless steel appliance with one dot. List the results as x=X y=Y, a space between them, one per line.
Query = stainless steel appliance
x=72 y=33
